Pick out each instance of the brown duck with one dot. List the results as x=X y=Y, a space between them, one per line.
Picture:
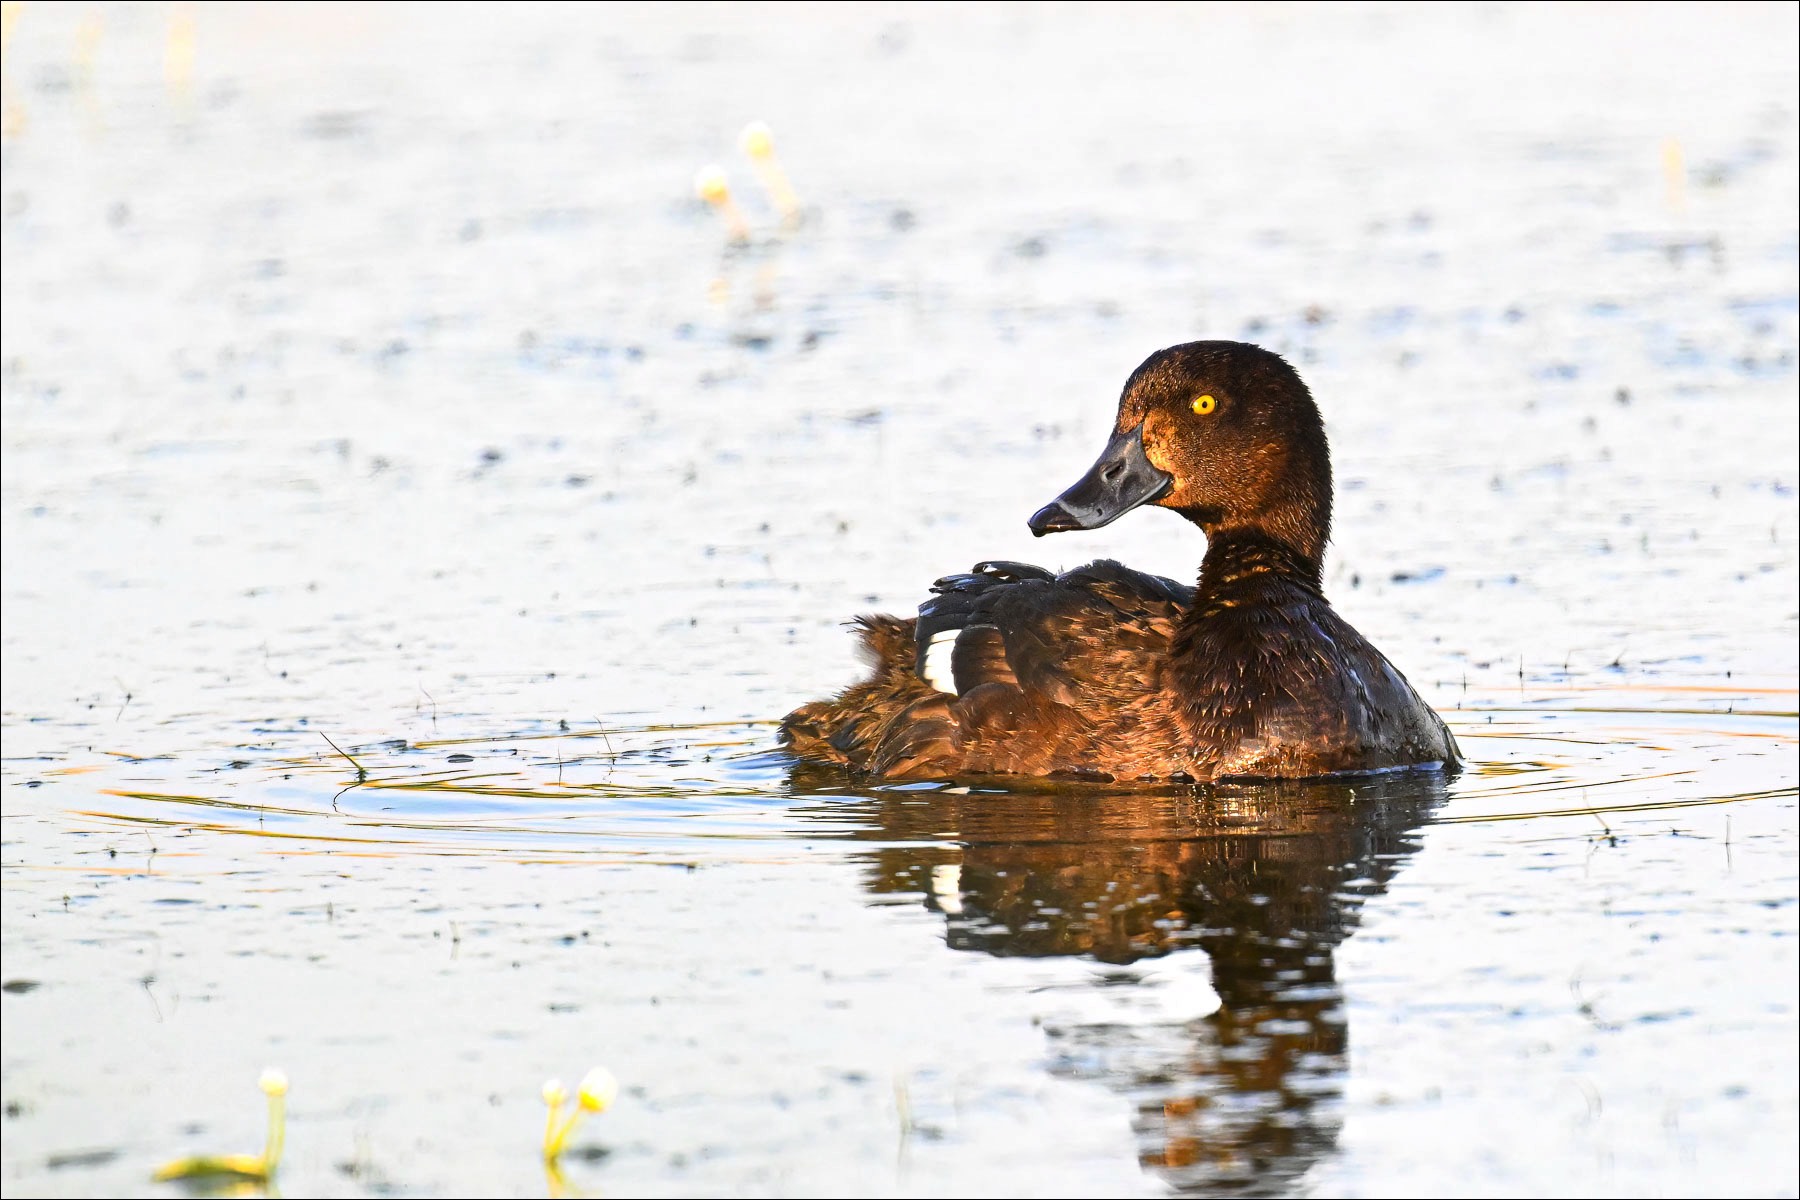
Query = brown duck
x=1107 y=673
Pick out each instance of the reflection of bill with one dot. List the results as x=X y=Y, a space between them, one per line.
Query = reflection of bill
x=1233 y=1084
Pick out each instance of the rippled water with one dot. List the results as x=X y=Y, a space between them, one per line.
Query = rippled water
x=414 y=521
x=771 y=952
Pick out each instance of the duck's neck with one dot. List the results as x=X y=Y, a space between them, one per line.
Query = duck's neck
x=1239 y=561
x=1279 y=537
x=1242 y=571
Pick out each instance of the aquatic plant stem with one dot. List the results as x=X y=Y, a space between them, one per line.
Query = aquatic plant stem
x=277 y=1139
x=361 y=774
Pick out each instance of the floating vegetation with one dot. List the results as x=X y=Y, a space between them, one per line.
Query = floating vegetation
x=252 y=1167
x=757 y=141
x=711 y=184
x=596 y=1094
x=712 y=187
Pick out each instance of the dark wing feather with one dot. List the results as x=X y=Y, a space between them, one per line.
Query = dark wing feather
x=958 y=599
x=1041 y=625
x=980 y=657
x=960 y=604
x=1020 y=625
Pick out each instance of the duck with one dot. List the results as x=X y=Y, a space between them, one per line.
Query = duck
x=1107 y=674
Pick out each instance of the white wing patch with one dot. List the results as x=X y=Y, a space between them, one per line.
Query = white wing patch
x=937 y=670
x=946 y=887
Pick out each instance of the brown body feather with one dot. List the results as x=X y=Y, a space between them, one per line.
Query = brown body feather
x=1100 y=673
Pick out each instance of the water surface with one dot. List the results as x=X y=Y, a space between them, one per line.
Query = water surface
x=415 y=517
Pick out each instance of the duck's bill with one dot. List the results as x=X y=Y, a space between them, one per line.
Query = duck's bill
x=1118 y=482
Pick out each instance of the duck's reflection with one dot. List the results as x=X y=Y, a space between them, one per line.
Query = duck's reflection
x=1266 y=879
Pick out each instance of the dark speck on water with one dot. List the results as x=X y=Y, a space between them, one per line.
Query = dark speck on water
x=79 y=1159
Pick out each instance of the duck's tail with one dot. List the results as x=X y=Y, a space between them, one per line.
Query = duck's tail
x=856 y=726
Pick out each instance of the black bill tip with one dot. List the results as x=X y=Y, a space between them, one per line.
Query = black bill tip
x=1053 y=518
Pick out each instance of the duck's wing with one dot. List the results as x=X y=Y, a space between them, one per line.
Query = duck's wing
x=1007 y=669
x=1051 y=636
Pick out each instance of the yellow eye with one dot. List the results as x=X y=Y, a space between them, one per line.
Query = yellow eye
x=1205 y=404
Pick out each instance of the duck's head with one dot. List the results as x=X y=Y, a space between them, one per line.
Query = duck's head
x=1224 y=433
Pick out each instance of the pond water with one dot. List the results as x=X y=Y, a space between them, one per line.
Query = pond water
x=416 y=516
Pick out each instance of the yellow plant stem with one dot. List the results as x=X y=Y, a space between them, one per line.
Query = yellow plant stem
x=277 y=1138
x=555 y=1139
